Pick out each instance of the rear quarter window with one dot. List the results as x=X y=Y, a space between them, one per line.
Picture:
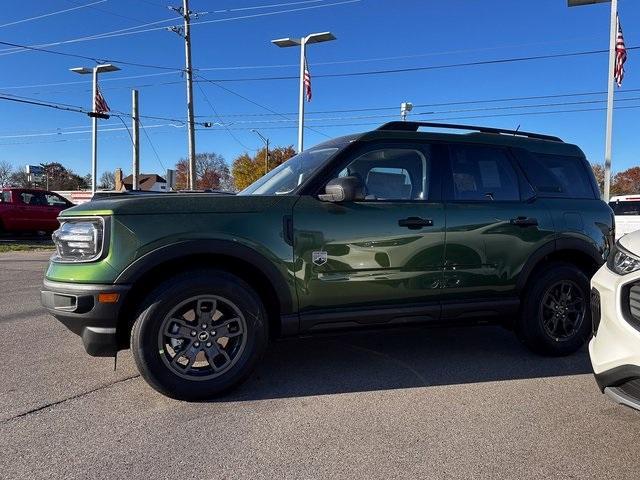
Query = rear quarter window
x=559 y=176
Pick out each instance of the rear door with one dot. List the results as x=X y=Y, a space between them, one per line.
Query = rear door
x=494 y=223
x=382 y=254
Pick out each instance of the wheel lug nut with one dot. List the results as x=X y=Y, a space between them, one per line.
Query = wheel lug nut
x=197 y=344
x=193 y=333
x=208 y=344
x=204 y=326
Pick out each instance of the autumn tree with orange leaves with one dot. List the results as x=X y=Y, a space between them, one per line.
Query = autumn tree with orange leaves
x=246 y=169
x=212 y=172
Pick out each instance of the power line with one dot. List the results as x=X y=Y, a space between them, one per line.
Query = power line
x=222 y=122
x=58 y=12
x=254 y=102
x=144 y=130
x=93 y=59
x=140 y=28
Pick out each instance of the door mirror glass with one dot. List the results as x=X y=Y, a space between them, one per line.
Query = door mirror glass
x=343 y=189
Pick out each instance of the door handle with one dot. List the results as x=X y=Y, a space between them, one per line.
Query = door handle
x=415 y=223
x=524 y=222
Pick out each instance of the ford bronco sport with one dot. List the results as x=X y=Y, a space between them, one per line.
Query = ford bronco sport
x=393 y=226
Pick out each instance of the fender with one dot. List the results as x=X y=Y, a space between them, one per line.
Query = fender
x=552 y=246
x=217 y=247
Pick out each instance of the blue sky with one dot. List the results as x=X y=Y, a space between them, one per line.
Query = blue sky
x=423 y=32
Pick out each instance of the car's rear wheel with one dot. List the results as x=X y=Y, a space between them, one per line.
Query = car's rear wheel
x=555 y=316
x=199 y=334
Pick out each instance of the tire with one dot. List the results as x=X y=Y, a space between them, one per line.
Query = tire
x=199 y=373
x=548 y=323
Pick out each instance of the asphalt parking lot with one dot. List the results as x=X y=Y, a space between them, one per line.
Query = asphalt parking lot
x=430 y=403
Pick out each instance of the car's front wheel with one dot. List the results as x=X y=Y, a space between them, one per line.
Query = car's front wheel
x=199 y=334
x=555 y=317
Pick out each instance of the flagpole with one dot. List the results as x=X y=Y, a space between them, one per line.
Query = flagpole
x=303 y=48
x=610 y=91
x=94 y=134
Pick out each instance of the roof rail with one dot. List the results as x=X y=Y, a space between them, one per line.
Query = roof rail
x=414 y=126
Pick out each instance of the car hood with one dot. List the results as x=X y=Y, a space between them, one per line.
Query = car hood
x=168 y=203
x=631 y=242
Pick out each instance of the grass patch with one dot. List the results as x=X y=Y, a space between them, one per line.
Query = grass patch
x=22 y=247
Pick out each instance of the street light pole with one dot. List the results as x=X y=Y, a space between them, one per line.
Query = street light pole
x=266 y=156
x=613 y=33
x=609 y=135
x=103 y=67
x=302 y=43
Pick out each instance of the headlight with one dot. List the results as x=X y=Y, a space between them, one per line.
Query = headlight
x=622 y=262
x=79 y=240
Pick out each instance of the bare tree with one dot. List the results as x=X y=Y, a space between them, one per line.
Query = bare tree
x=6 y=171
x=107 y=181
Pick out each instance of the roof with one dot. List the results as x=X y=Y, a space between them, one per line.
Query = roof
x=145 y=180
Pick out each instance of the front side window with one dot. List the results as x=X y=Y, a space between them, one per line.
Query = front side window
x=285 y=178
x=483 y=174
x=392 y=174
x=54 y=200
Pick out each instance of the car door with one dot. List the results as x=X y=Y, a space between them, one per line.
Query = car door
x=378 y=259
x=494 y=223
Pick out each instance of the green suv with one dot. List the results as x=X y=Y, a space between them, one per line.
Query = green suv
x=391 y=227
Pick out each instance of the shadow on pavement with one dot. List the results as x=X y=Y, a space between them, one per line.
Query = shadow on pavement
x=368 y=361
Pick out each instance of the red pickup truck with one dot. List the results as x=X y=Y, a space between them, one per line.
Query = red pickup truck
x=25 y=210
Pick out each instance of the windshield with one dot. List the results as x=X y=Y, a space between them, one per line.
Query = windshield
x=284 y=179
x=622 y=207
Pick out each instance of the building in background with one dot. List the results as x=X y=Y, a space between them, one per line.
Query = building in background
x=147 y=182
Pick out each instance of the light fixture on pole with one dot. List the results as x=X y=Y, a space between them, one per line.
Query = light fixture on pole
x=266 y=156
x=405 y=107
x=302 y=43
x=102 y=68
x=612 y=59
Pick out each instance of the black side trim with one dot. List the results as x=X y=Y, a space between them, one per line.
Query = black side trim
x=581 y=245
x=617 y=376
x=455 y=310
x=367 y=317
x=216 y=247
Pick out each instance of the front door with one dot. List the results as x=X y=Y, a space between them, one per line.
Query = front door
x=493 y=224
x=378 y=259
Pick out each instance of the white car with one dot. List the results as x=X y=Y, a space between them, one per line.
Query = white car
x=626 y=209
x=615 y=310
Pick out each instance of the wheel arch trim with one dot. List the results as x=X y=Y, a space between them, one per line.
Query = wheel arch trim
x=190 y=248
x=552 y=247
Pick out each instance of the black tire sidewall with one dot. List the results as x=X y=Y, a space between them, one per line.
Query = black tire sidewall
x=530 y=329
x=144 y=335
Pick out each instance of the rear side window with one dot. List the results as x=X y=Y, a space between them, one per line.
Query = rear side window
x=6 y=197
x=559 y=176
x=483 y=174
x=625 y=208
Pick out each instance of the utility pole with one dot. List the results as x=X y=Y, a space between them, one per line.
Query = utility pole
x=135 y=129
x=185 y=32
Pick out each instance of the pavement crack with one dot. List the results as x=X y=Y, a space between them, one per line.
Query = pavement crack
x=64 y=400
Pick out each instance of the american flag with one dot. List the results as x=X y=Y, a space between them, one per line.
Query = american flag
x=307 y=82
x=101 y=105
x=621 y=56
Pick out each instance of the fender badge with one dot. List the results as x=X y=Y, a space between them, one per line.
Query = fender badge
x=319 y=258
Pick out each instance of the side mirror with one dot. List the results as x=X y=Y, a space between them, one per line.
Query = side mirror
x=343 y=189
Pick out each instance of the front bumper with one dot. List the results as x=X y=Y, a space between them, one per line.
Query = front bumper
x=77 y=307
x=615 y=347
